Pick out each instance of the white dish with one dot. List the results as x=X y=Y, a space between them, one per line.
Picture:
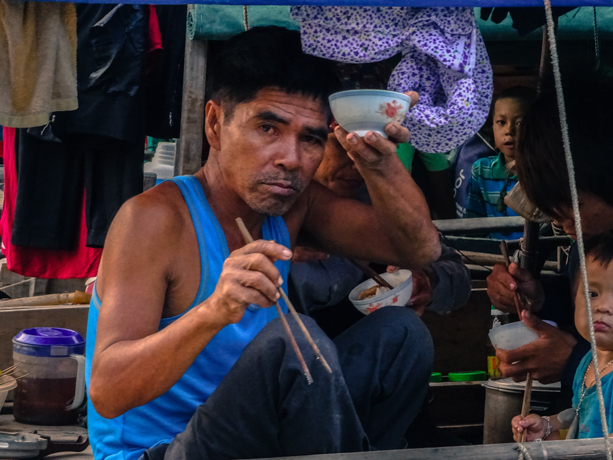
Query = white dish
x=364 y=110
x=402 y=280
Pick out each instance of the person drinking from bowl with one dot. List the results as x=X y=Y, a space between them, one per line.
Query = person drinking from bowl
x=319 y=280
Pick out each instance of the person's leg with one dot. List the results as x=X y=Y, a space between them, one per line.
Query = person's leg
x=386 y=360
x=264 y=407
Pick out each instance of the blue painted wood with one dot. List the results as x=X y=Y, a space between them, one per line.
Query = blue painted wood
x=415 y=3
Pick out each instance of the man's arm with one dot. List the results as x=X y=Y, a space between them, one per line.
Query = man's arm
x=452 y=285
x=133 y=362
x=397 y=229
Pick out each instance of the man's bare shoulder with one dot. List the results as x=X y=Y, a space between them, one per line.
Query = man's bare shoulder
x=161 y=208
x=146 y=232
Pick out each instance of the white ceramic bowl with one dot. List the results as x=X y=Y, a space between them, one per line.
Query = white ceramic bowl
x=512 y=336
x=7 y=383
x=399 y=296
x=364 y=110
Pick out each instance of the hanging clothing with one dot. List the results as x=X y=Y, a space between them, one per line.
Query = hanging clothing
x=443 y=58
x=112 y=48
x=52 y=176
x=80 y=262
x=38 y=75
x=164 y=85
x=98 y=147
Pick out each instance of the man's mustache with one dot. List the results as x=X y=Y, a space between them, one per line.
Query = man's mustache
x=292 y=180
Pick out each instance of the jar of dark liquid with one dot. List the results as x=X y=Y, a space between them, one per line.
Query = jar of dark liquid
x=54 y=387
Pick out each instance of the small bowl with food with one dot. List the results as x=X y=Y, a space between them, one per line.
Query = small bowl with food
x=369 y=296
x=364 y=110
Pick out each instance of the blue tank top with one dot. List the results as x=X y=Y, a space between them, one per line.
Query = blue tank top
x=159 y=421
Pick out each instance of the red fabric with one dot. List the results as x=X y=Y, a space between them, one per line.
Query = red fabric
x=154 y=41
x=41 y=263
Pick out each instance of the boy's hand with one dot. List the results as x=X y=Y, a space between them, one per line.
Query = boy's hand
x=534 y=424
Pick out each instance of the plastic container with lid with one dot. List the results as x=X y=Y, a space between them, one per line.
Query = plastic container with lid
x=469 y=376
x=54 y=388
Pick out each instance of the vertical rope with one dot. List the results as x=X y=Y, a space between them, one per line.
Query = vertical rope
x=523 y=452
x=575 y=201
x=245 y=17
x=596 y=40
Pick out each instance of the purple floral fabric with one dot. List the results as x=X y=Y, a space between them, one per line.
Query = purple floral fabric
x=444 y=60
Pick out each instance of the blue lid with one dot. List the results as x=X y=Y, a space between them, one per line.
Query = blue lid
x=49 y=336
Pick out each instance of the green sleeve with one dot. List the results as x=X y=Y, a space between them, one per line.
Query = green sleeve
x=406 y=152
x=434 y=161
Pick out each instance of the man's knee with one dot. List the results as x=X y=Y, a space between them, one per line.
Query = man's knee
x=275 y=331
x=401 y=325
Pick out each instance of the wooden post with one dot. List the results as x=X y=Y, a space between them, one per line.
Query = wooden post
x=189 y=148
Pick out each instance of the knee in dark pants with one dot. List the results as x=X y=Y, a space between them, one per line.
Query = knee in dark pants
x=402 y=324
x=275 y=331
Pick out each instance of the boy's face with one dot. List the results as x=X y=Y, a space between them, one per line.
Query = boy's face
x=507 y=118
x=601 y=297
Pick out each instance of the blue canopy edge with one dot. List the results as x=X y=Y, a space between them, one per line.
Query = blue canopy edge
x=415 y=3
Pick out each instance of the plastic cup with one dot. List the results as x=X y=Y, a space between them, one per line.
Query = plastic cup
x=512 y=336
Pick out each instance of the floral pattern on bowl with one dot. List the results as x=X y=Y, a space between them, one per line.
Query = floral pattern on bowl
x=392 y=110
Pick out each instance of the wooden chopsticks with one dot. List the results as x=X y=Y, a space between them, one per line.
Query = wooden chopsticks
x=371 y=273
x=249 y=239
x=520 y=305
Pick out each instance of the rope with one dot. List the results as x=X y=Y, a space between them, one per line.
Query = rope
x=524 y=454
x=245 y=17
x=596 y=40
x=575 y=202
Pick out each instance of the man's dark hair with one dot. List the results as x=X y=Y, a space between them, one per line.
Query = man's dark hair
x=267 y=57
x=541 y=166
x=523 y=94
x=600 y=249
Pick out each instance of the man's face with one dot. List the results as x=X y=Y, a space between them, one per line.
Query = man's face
x=337 y=170
x=596 y=216
x=271 y=147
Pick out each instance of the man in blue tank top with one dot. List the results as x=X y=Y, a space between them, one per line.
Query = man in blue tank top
x=185 y=358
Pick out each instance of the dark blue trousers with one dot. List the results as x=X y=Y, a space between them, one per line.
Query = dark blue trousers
x=264 y=407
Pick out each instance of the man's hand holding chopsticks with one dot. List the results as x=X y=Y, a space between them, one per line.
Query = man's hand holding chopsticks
x=502 y=284
x=249 y=276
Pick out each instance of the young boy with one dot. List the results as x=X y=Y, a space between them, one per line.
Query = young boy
x=599 y=255
x=492 y=178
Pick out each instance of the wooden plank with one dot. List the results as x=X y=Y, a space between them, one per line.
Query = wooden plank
x=586 y=449
x=480 y=225
x=189 y=154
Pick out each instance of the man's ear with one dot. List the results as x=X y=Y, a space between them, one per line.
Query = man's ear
x=213 y=118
